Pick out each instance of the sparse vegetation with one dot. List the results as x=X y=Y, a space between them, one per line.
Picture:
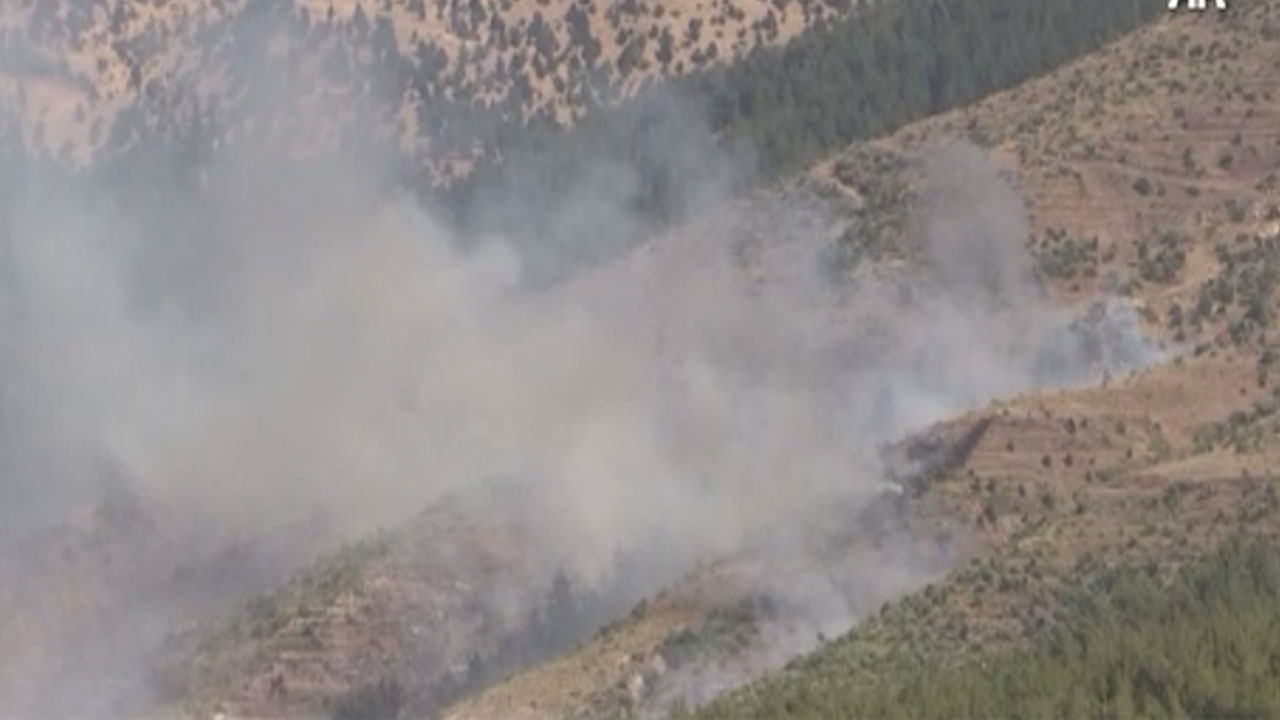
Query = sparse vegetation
x=1061 y=256
x=880 y=67
x=1162 y=263
x=1242 y=295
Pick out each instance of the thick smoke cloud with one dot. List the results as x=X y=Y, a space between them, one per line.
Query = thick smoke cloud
x=292 y=339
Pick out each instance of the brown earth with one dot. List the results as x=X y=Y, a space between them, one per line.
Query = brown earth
x=74 y=67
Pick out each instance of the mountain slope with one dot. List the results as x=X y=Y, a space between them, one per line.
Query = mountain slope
x=71 y=69
x=1170 y=131
x=1150 y=170
x=418 y=616
x=1128 y=641
x=1159 y=467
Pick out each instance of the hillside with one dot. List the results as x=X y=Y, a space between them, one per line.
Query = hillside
x=86 y=603
x=1147 y=172
x=269 y=82
x=1145 y=168
x=408 y=607
x=1158 y=467
x=1128 y=641
x=430 y=68
x=1150 y=171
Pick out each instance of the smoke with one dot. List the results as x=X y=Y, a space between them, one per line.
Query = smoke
x=886 y=354
x=292 y=339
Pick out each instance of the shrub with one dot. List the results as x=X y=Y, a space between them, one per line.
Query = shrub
x=381 y=700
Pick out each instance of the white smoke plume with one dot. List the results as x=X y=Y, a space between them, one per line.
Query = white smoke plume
x=293 y=340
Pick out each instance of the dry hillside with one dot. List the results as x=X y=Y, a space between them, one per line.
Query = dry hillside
x=1149 y=170
x=432 y=67
x=1145 y=166
x=418 y=614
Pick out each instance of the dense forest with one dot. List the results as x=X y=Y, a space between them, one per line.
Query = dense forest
x=895 y=62
x=1205 y=643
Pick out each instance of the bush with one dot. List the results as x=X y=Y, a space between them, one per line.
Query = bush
x=381 y=700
